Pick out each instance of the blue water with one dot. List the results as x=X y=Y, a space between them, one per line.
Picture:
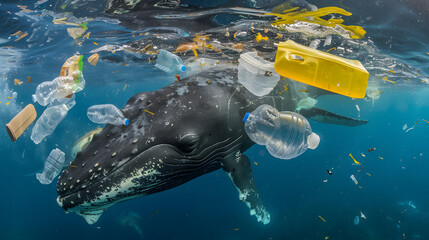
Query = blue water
x=293 y=191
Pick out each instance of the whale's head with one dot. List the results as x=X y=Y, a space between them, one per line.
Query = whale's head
x=175 y=134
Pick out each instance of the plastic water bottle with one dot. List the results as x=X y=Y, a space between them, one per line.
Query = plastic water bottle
x=53 y=165
x=107 y=113
x=286 y=135
x=169 y=63
x=60 y=87
x=49 y=120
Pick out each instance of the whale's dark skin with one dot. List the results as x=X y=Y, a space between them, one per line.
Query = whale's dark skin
x=184 y=130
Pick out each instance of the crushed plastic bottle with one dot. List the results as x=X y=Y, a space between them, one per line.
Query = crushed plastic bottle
x=60 y=87
x=257 y=74
x=50 y=119
x=53 y=165
x=169 y=62
x=107 y=113
x=286 y=135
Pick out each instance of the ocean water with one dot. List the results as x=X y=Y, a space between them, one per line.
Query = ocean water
x=392 y=191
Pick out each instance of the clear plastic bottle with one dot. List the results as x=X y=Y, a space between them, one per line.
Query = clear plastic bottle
x=286 y=135
x=107 y=113
x=53 y=165
x=169 y=63
x=60 y=87
x=49 y=120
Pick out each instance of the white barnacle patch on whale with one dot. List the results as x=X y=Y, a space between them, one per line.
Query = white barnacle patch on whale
x=91 y=213
x=182 y=90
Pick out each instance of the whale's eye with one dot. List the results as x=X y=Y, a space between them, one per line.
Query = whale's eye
x=188 y=143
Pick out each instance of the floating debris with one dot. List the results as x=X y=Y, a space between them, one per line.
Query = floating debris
x=322 y=218
x=362 y=215
x=93 y=59
x=20 y=34
x=357 y=107
x=334 y=48
x=315 y=17
x=381 y=158
x=356 y=162
x=368 y=174
x=353 y=178
x=371 y=149
x=255 y=163
x=95 y=43
x=125 y=87
x=356 y=220
x=363 y=155
x=326 y=180
x=387 y=80
x=329 y=172
x=28 y=79
x=149 y=112
x=17 y=81
x=75 y=33
x=259 y=37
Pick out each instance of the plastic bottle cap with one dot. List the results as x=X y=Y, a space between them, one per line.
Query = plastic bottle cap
x=246 y=116
x=313 y=141
x=183 y=68
x=126 y=121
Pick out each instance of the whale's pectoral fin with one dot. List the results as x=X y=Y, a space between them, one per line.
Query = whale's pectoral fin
x=324 y=116
x=238 y=169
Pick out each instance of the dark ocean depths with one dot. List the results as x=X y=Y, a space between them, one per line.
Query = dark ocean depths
x=392 y=192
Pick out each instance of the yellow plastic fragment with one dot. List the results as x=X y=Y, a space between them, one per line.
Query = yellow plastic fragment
x=149 y=112
x=255 y=163
x=148 y=59
x=95 y=43
x=387 y=80
x=28 y=79
x=9 y=97
x=368 y=174
x=278 y=35
x=334 y=48
x=322 y=218
x=195 y=53
x=259 y=37
x=125 y=87
x=381 y=158
x=17 y=81
x=292 y=15
x=354 y=159
x=425 y=121
x=7 y=103
x=392 y=71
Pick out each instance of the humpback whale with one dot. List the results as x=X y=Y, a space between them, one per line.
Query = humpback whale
x=187 y=129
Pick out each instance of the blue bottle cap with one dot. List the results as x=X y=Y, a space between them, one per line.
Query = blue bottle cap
x=246 y=116
x=183 y=68
x=126 y=122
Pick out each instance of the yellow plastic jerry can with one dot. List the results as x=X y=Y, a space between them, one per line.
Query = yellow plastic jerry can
x=321 y=69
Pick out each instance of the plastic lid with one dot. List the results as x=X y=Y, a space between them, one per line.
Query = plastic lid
x=313 y=141
x=182 y=68
x=126 y=121
x=246 y=116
